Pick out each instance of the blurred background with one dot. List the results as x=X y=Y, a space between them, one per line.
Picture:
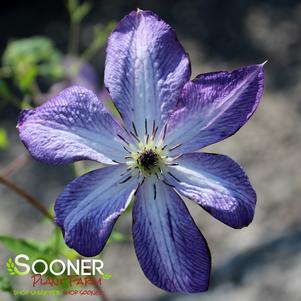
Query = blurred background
x=48 y=45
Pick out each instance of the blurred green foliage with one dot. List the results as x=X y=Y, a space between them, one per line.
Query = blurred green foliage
x=28 y=58
x=3 y=139
x=5 y=284
x=78 y=11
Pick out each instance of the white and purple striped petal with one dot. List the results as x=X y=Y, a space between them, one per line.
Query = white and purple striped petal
x=172 y=252
x=218 y=184
x=146 y=68
x=213 y=107
x=72 y=126
x=89 y=206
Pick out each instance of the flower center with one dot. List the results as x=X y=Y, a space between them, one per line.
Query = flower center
x=148 y=160
x=148 y=156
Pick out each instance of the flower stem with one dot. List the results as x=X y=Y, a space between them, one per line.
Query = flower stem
x=103 y=296
x=74 y=38
x=14 y=166
x=26 y=196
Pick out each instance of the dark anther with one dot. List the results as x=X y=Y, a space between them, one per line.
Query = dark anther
x=135 y=136
x=155 y=191
x=154 y=133
x=176 y=146
x=134 y=127
x=148 y=159
x=126 y=150
x=115 y=161
x=173 y=176
x=145 y=125
x=125 y=180
x=168 y=184
x=123 y=139
x=154 y=126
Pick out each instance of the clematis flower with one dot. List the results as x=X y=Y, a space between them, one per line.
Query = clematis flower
x=151 y=155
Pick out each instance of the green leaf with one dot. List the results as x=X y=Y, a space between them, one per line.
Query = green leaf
x=5 y=284
x=30 y=57
x=31 y=248
x=56 y=244
x=80 y=12
x=3 y=139
x=71 y=6
x=26 y=80
x=117 y=237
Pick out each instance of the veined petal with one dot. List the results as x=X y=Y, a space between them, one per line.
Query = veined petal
x=146 y=68
x=72 y=126
x=218 y=184
x=213 y=107
x=172 y=252
x=89 y=206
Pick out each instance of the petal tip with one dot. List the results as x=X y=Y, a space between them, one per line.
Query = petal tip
x=262 y=64
x=23 y=116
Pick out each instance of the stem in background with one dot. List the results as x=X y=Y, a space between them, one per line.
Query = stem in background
x=93 y=48
x=74 y=37
x=14 y=166
x=103 y=296
x=26 y=196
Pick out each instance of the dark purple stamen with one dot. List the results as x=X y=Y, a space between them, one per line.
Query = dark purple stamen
x=173 y=176
x=126 y=149
x=145 y=125
x=134 y=128
x=115 y=161
x=123 y=139
x=155 y=191
x=135 y=136
x=125 y=180
x=176 y=146
x=168 y=184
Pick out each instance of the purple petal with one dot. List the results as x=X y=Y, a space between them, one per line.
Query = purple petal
x=89 y=206
x=213 y=107
x=172 y=252
x=146 y=68
x=218 y=184
x=72 y=126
